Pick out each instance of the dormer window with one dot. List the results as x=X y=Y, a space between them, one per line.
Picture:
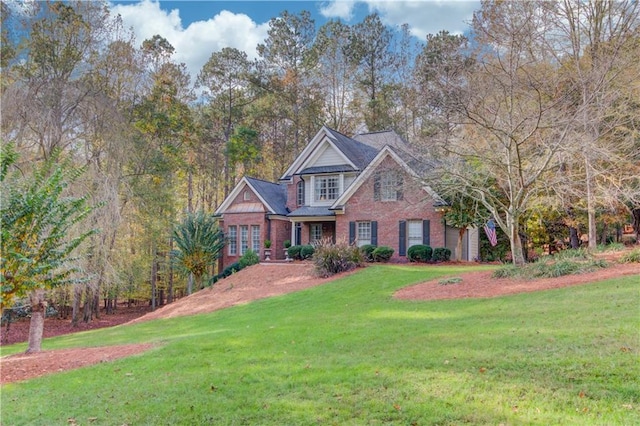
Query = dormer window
x=327 y=188
x=246 y=196
x=300 y=193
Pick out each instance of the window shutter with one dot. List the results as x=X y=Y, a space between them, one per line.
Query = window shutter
x=376 y=187
x=374 y=232
x=352 y=232
x=426 y=232
x=402 y=238
x=399 y=191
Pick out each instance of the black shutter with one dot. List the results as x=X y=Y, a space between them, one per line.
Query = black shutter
x=352 y=232
x=376 y=187
x=374 y=233
x=426 y=232
x=402 y=238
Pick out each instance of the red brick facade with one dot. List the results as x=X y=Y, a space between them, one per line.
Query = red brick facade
x=247 y=210
x=416 y=204
x=385 y=205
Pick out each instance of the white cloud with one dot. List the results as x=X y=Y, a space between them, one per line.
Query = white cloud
x=423 y=16
x=342 y=9
x=427 y=16
x=195 y=43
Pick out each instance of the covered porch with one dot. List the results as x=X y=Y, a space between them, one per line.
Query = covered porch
x=312 y=224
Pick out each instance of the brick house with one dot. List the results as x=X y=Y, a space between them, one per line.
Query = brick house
x=364 y=189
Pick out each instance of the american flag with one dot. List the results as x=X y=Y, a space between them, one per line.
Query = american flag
x=490 y=230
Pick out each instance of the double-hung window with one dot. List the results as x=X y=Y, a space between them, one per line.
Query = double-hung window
x=364 y=233
x=414 y=232
x=315 y=231
x=244 y=239
x=300 y=193
x=327 y=188
x=255 y=238
x=232 y=238
x=387 y=186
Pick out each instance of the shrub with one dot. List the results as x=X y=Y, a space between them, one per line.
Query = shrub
x=294 y=252
x=419 y=253
x=579 y=253
x=306 y=252
x=550 y=268
x=632 y=257
x=382 y=254
x=441 y=254
x=330 y=259
x=287 y=244
x=230 y=269
x=249 y=258
x=367 y=252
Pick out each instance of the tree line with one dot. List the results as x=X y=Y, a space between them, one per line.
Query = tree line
x=531 y=119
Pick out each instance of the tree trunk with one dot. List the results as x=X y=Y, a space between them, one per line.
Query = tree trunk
x=77 y=298
x=170 y=285
x=514 y=239
x=88 y=304
x=574 y=241
x=461 y=232
x=154 y=270
x=591 y=209
x=36 y=325
x=190 y=284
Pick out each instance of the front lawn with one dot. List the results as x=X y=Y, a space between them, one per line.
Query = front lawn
x=348 y=353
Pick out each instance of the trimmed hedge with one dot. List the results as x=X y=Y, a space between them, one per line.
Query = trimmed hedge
x=441 y=254
x=306 y=252
x=294 y=252
x=419 y=253
x=367 y=252
x=382 y=254
x=300 y=252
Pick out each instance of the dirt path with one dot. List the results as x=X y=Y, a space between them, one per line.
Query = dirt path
x=262 y=281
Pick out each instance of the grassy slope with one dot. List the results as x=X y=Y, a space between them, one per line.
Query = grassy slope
x=347 y=353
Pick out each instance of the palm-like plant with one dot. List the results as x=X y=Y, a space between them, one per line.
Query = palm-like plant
x=199 y=240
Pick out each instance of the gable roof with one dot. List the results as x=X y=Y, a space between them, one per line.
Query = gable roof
x=386 y=151
x=356 y=153
x=360 y=154
x=378 y=140
x=272 y=195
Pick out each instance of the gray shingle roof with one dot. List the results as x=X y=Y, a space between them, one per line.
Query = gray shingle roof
x=312 y=211
x=273 y=193
x=378 y=140
x=327 y=169
x=357 y=152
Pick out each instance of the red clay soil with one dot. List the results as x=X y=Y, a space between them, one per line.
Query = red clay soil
x=262 y=281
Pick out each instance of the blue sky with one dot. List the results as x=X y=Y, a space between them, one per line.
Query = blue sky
x=198 y=28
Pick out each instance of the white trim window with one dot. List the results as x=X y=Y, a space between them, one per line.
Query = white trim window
x=414 y=233
x=232 y=239
x=326 y=188
x=300 y=193
x=363 y=233
x=387 y=186
x=244 y=239
x=315 y=232
x=255 y=238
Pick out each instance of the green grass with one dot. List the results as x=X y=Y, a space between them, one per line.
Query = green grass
x=348 y=353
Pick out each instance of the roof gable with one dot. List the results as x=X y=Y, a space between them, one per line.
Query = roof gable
x=385 y=152
x=328 y=143
x=272 y=195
